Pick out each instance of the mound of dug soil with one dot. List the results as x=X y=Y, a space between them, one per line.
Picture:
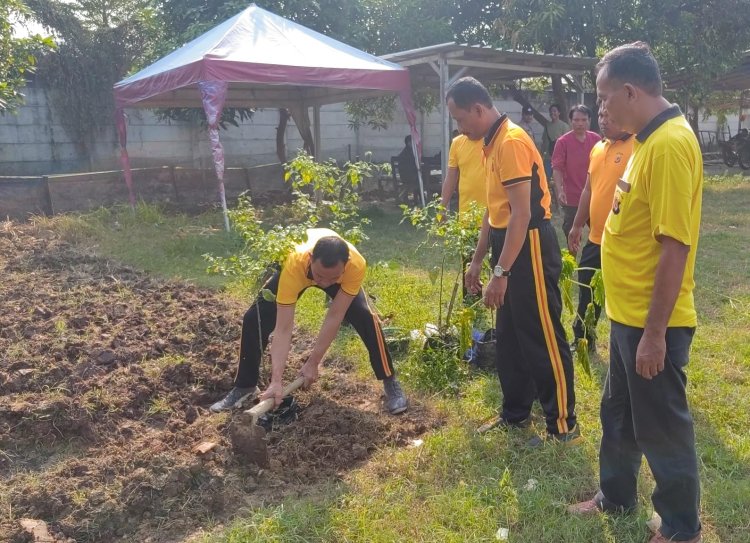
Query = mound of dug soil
x=106 y=374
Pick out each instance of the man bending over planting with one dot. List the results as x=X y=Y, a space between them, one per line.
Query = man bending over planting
x=332 y=264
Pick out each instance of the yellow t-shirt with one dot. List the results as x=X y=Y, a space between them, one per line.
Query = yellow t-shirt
x=295 y=272
x=660 y=194
x=511 y=157
x=466 y=155
x=606 y=165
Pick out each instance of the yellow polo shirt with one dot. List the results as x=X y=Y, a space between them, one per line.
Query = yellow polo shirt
x=660 y=194
x=606 y=165
x=466 y=155
x=510 y=158
x=295 y=272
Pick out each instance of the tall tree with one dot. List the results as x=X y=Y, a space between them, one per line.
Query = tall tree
x=18 y=55
x=99 y=41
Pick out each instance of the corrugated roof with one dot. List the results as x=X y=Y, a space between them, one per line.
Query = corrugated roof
x=488 y=64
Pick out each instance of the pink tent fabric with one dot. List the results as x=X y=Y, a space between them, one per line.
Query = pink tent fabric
x=258 y=59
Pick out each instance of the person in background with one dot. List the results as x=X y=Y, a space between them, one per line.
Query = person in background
x=553 y=129
x=465 y=173
x=407 y=170
x=607 y=163
x=570 y=163
x=527 y=116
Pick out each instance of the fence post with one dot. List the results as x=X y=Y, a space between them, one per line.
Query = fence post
x=48 y=209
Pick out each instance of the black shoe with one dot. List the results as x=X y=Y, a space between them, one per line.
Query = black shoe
x=235 y=399
x=500 y=422
x=572 y=437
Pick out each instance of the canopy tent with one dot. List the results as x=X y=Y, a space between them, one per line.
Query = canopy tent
x=431 y=66
x=259 y=59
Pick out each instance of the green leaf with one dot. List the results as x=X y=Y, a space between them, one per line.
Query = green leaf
x=268 y=295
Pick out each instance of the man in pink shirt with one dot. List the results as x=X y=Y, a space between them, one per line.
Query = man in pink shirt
x=570 y=162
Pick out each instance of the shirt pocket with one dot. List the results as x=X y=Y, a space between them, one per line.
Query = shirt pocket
x=620 y=203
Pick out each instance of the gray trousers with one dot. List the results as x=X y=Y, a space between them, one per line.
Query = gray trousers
x=641 y=417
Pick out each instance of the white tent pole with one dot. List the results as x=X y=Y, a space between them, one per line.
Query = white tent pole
x=445 y=141
x=419 y=171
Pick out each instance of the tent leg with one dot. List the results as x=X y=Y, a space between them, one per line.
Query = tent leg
x=224 y=208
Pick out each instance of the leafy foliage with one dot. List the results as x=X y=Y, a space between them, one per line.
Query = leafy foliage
x=437 y=367
x=323 y=195
x=567 y=282
x=18 y=56
x=99 y=41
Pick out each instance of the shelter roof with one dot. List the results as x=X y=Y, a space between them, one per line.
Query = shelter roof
x=736 y=79
x=489 y=65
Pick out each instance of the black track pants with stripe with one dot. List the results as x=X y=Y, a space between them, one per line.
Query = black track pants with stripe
x=261 y=317
x=533 y=357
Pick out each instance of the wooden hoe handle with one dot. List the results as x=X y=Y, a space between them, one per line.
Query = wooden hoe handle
x=268 y=404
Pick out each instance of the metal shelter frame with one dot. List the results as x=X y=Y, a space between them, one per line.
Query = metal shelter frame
x=441 y=65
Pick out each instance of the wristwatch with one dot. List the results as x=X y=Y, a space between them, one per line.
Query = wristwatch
x=499 y=271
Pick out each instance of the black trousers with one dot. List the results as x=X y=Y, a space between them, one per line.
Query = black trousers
x=533 y=358
x=651 y=418
x=591 y=257
x=569 y=215
x=260 y=320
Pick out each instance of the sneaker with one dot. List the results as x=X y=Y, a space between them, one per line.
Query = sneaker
x=654 y=524
x=658 y=538
x=395 y=400
x=572 y=437
x=500 y=422
x=585 y=509
x=234 y=400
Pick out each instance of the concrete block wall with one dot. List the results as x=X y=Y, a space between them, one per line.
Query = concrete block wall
x=34 y=142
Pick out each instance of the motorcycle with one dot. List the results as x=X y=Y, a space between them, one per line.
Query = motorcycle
x=737 y=150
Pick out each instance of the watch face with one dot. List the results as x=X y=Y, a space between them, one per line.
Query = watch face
x=500 y=272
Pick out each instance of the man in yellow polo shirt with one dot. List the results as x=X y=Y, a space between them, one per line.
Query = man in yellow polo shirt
x=606 y=165
x=533 y=359
x=465 y=171
x=648 y=257
x=332 y=264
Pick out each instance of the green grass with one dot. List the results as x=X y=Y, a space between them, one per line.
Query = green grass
x=460 y=487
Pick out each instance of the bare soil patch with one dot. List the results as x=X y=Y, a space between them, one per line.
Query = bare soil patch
x=106 y=374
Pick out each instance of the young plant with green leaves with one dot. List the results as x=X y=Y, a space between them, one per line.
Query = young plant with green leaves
x=567 y=283
x=323 y=195
x=439 y=366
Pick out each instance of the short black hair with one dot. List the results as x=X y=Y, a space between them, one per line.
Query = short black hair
x=467 y=91
x=330 y=251
x=580 y=108
x=407 y=140
x=553 y=106
x=633 y=63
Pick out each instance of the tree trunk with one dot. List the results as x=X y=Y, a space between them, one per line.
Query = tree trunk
x=280 y=131
x=558 y=91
